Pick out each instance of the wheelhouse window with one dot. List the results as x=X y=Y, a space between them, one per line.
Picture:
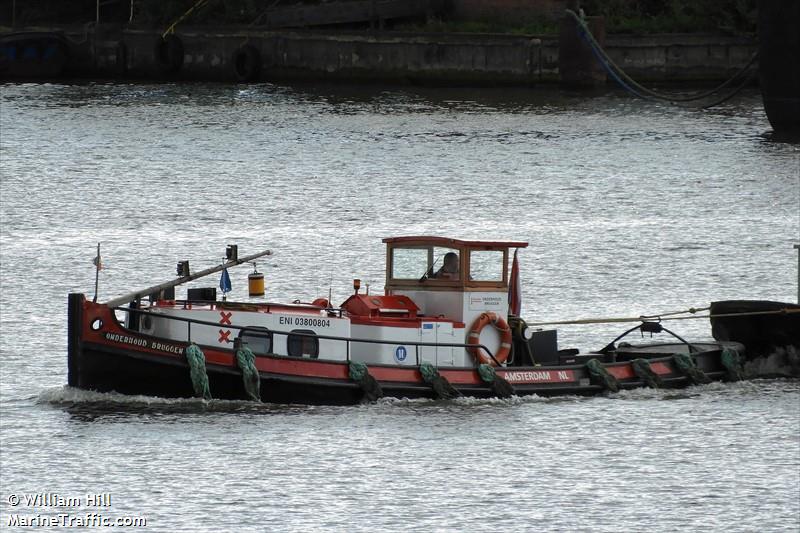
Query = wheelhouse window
x=426 y=262
x=409 y=263
x=486 y=265
x=304 y=345
x=258 y=339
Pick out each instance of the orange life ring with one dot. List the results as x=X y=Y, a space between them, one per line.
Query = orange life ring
x=474 y=337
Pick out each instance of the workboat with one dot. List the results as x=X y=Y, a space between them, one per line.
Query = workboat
x=446 y=325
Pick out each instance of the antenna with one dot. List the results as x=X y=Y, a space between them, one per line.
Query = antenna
x=98 y=265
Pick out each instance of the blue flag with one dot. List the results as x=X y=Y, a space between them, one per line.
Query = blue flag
x=225 y=281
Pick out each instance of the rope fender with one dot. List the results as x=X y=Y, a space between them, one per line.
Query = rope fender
x=359 y=373
x=443 y=389
x=247 y=63
x=245 y=359
x=600 y=376
x=197 y=371
x=641 y=367
x=500 y=387
x=686 y=366
x=732 y=362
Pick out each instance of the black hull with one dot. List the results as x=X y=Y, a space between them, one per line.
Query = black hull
x=762 y=334
x=779 y=69
x=105 y=370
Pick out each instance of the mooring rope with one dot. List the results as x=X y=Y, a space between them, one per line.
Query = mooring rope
x=171 y=28
x=635 y=88
x=663 y=317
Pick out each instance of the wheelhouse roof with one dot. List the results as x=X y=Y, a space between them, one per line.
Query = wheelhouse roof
x=445 y=241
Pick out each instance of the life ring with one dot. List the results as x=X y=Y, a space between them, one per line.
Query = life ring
x=247 y=63
x=474 y=337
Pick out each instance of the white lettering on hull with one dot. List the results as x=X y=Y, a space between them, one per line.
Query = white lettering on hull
x=144 y=343
x=304 y=321
x=539 y=376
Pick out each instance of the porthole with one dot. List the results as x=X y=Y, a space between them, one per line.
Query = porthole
x=96 y=324
x=305 y=344
x=258 y=339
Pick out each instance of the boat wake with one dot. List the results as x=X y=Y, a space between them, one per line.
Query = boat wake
x=467 y=401
x=91 y=404
x=783 y=363
x=78 y=401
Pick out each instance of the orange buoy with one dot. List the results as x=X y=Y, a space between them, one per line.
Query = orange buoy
x=255 y=283
x=505 y=338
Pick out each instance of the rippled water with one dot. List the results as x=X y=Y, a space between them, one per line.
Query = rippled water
x=629 y=207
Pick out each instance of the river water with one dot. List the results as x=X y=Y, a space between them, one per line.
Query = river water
x=630 y=208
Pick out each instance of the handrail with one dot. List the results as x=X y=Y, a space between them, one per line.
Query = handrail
x=648 y=327
x=348 y=340
x=185 y=279
x=261 y=306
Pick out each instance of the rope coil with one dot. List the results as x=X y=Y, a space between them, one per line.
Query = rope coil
x=643 y=370
x=686 y=366
x=245 y=359
x=500 y=387
x=197 y=371
x=359 y=373
x=601 y=376
x=443 y=389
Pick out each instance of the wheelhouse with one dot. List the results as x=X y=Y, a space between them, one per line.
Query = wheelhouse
x=421 y=263
x=455 y=278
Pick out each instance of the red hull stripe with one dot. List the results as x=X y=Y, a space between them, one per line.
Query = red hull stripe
x=626 y=371
x=621 y=372
x=302 y=367
x=661 y=368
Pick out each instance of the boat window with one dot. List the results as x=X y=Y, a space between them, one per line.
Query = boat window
x=409 y=263
x=303 y=345
x=486 y=265
x=258 y=339
x=446 y=264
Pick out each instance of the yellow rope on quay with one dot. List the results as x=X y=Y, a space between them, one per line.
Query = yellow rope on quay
x=662 y=317
x=171 y=28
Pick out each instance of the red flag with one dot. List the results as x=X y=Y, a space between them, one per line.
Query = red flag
x=514 y=289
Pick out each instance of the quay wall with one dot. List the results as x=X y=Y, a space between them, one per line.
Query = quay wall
x=424 y=58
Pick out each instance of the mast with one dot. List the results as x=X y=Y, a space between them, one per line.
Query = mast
x=185 y=279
